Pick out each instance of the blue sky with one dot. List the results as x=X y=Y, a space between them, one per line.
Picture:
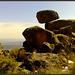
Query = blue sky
x=15 y=16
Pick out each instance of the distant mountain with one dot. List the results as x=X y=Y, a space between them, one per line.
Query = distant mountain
x=12 y=43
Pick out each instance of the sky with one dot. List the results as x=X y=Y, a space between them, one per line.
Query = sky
x=16 y=16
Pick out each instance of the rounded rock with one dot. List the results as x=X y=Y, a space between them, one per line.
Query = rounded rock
x=46 y=16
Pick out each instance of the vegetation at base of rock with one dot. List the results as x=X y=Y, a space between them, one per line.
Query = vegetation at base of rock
x=14 y=53
x=9 y=65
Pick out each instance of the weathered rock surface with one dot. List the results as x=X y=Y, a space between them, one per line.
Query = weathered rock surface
x=58 y=48
x=46 y=47
x=60 y=38
x=73 y=34
x=73 y=44
x=36 y=60
x=46 y=16
x=73 y=41
x=57 y=24
x=66 y=30
x=35 y=36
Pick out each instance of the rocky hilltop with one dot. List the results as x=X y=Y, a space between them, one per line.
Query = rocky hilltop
x=49 y=50
x=49 y=46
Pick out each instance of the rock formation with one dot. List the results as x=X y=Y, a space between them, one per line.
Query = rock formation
x=58 y=33
x=47 y=47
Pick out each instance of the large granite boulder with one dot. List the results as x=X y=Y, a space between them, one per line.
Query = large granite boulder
x=57 y=24
x=46 y=16
x=35 y=36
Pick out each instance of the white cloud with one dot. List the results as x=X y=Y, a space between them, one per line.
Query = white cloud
x=14 y=30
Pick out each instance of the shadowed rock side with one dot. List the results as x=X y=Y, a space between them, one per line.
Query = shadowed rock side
x=46 y=16
x=47 y=47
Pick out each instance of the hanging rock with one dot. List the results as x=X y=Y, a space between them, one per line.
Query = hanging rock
x=46 y=16
x=35 y=36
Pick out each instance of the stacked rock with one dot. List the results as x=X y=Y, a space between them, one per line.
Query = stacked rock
x=57 y=33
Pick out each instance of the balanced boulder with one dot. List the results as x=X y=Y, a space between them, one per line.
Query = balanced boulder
x=46 y=16
x=35 y=36
x=57 y=24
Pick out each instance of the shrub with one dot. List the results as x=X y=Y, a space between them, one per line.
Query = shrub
x=14 y=53
x=9 y=65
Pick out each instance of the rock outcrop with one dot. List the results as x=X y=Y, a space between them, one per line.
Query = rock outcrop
x=57 y=35
x=46 y=16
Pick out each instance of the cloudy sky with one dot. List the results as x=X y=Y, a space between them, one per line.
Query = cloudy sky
x=16 y=16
